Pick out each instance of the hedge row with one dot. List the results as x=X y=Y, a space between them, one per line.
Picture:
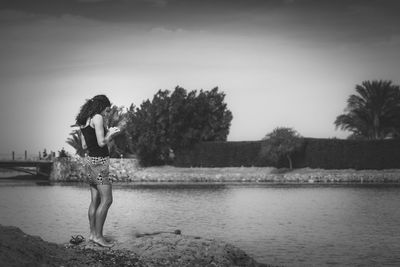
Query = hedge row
x=354 y=154
x=219 y=154
x=316 y=153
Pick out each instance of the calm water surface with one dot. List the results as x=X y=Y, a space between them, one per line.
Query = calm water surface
x=280 y=225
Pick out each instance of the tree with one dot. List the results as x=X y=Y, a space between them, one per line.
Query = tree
x=281 y=142
x=372 y=113
x=178 y=119
x=76 y=142
x=63 y=154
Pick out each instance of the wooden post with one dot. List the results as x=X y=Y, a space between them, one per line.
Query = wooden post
x=13 y=155
x=26 y=155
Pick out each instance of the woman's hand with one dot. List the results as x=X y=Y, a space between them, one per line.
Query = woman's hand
x=113 y=130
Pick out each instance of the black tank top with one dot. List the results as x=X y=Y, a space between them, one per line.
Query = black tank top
x=91 y=141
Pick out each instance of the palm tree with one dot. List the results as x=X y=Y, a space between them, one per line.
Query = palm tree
x=372 y=113
x=121 y=144
x=76 y=142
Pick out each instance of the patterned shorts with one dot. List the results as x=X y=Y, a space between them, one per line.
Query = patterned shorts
x=98 y=169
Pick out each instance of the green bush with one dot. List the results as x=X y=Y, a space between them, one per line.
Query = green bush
x=282 y=142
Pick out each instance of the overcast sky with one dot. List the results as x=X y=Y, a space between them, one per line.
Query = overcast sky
x=289 y=63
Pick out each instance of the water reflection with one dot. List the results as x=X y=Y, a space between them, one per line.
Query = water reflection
x=283 y=225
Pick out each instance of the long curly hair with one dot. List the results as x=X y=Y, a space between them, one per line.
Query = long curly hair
x=93 y=106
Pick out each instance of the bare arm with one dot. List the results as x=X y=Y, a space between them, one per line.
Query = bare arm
x=84 y=146
x=102 y=139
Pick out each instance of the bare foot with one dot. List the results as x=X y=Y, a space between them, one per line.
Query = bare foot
x=91 y=237
x=102 y=242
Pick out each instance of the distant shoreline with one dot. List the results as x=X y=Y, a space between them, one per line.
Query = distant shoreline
x=236 y=176
x=260 y=175
x=23 y=177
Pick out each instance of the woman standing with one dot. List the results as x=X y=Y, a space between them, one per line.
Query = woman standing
x=95 y=138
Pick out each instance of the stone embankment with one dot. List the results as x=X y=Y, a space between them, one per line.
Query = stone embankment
x=128 y=170
x=20 y=249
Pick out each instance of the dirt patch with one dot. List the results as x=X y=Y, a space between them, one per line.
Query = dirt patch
x=20 y=249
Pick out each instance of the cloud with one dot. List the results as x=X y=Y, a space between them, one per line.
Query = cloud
x=316 y=20
x=92 y=1
x=156 y=3
x=16 y=15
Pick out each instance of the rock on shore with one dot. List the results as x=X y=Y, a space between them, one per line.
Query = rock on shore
x=189 y=251
x=20 y=249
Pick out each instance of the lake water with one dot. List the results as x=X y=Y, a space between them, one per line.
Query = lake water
x=281 y=225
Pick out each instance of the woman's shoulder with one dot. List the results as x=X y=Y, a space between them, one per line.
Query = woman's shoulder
x=97 y=118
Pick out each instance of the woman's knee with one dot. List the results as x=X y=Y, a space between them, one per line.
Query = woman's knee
x=107 y=200
x=106 y=197
x=110 y=200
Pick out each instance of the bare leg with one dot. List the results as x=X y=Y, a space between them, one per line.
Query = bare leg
x=101 y=214
x=94 y=204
